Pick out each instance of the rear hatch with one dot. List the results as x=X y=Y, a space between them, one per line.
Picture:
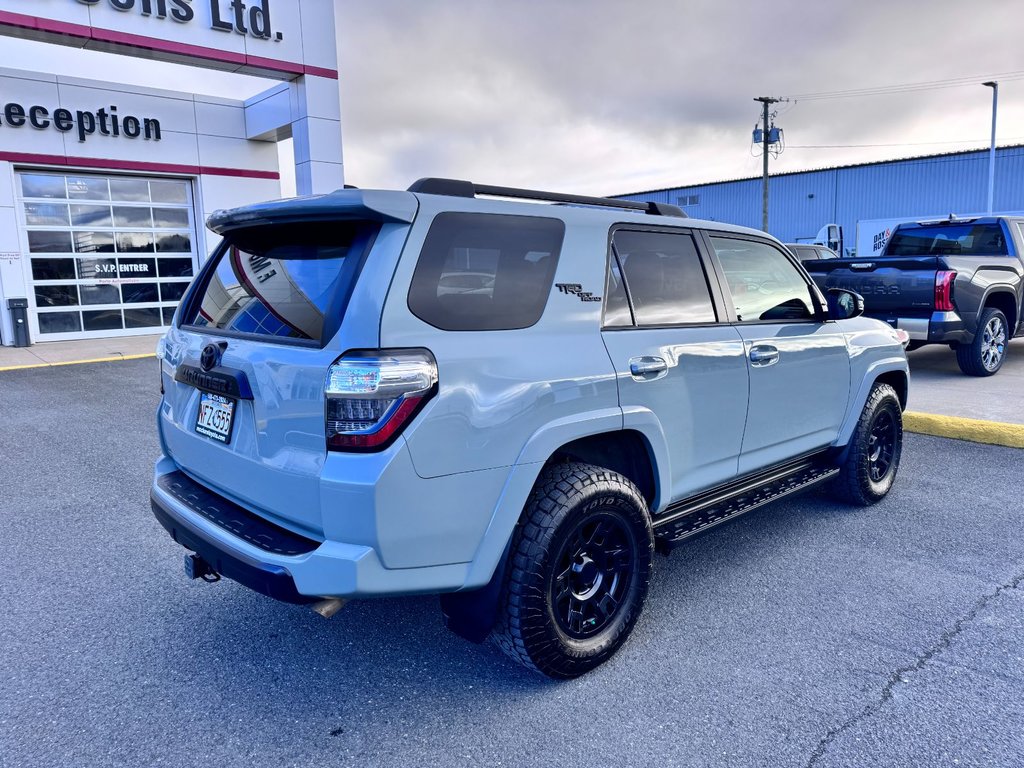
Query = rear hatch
x=246 y=364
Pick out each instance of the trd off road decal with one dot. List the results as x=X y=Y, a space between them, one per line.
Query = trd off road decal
x=576 y=289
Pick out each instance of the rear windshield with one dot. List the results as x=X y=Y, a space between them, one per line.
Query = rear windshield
x=282 y=280
x=963 y=239
x=485 y=272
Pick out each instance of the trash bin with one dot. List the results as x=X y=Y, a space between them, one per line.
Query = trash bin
x=19 y=319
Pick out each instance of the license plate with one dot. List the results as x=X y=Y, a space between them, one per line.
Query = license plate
x=216 y=416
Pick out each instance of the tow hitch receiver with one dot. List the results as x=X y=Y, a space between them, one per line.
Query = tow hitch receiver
x=197 y=568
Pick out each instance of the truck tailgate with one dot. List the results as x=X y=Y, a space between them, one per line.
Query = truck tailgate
x=892 y=287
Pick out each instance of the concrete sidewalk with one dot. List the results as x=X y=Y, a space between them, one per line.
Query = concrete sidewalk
x=70 y=352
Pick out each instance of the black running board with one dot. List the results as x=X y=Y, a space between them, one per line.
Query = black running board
x=685 y=520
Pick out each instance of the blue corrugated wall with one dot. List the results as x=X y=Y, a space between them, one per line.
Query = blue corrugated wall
x=800 y=203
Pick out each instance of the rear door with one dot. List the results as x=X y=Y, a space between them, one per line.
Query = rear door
x=243 y=409
x=799 y=364
x=673 y=357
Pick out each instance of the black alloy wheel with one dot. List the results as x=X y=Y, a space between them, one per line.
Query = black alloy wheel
x=868 y=465
x=881 y=445
x=579 y=567
x=592 y=575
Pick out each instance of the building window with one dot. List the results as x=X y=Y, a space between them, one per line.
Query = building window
x=688 y=201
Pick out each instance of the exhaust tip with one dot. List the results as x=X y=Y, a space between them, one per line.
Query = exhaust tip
x=329 y=606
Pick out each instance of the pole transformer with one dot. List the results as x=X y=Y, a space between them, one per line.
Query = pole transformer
x=766 y=102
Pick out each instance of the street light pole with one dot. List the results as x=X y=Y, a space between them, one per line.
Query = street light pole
x=992 y=148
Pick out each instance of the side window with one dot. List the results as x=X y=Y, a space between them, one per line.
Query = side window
x=616 y=304
x=664 y=278
x=485 y=272
x=764 y=283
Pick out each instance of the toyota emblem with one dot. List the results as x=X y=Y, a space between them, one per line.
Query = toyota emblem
x=210 y=357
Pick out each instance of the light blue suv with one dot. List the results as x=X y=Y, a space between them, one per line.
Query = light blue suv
x=507 y=397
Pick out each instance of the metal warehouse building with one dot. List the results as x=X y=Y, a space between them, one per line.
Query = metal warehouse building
x=800 y=203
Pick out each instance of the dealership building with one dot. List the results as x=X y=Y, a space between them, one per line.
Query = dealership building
x=104 y=187
x=914 y=188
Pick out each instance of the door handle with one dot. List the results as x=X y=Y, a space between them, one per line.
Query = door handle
x=647 y=368
x=763 y=355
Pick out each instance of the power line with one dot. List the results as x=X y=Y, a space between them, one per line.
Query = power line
x=899 y=144
x=926 y=85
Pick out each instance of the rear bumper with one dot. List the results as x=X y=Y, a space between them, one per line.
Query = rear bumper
x=936 y=328
x=270 y=580
x=255 y=553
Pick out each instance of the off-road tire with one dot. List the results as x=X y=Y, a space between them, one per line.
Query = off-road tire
x=971 y=357
x=855 y=483
x=568 y=498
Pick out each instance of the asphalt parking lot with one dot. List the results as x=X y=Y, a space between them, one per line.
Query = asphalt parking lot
x=807 y=634
x=937 y=386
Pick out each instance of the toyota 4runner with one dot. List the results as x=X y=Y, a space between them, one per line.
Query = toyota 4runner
x=509 y=404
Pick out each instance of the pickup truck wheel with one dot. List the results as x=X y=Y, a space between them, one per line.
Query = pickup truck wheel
x=578 y=572
x=867 y=473
x=985 y=355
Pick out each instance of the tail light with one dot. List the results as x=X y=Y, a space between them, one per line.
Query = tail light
x=372 y=395
x=944 y=290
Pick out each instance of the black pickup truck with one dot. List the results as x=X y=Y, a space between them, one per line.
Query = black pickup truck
x=958 y=282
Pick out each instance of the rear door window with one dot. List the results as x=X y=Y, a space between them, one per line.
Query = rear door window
x=485 y=272
x=664 y=279
x=282 y=281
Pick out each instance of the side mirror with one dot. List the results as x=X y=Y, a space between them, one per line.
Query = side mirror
x=844 y=304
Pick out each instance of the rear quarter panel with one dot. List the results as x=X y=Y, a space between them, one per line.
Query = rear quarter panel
x=497 y=388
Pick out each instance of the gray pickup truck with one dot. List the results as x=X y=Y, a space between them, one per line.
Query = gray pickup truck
x=958 y=282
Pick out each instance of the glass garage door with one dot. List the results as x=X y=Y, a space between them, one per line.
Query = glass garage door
x=107 y=255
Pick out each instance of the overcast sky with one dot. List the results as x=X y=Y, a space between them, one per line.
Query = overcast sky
x=603 y=96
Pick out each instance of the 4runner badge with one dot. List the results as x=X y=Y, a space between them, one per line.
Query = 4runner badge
x=576 y=290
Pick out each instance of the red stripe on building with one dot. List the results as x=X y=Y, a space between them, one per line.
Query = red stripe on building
x=123 y=39
x=133 y=165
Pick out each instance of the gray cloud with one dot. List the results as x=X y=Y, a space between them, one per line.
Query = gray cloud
x=603 y=96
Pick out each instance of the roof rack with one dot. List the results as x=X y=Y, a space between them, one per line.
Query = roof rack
x=459 y=188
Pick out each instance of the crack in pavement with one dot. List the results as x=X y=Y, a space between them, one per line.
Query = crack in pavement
x=944 y=641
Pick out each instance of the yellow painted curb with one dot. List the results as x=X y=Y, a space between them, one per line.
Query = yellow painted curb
x=959 y=428
x=116 y=359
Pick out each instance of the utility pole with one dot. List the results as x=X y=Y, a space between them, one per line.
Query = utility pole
x=766 y=102
x=992 y=148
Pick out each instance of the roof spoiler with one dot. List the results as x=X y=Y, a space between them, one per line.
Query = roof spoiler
x=368 y=205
